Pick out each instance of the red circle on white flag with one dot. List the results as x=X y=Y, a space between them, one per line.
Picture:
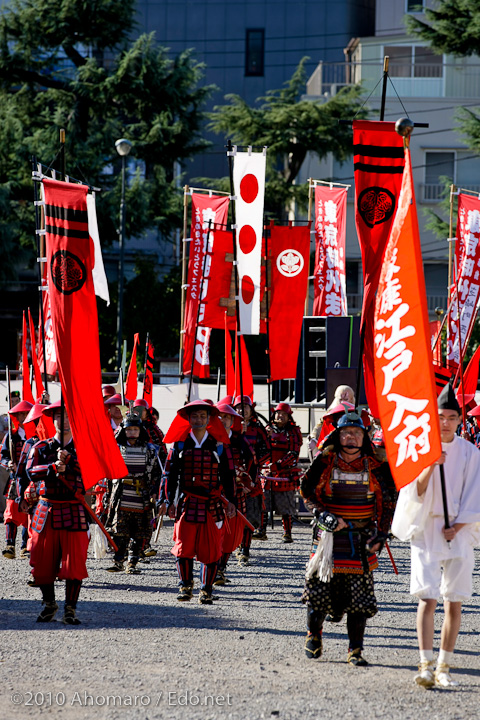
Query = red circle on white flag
x=249 y=188
x=248 y=289
x=247 y=238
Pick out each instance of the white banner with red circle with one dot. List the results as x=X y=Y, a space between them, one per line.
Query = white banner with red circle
x=249 y=188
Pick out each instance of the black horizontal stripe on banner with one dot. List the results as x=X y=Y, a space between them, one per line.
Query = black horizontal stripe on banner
x=62 y=213
x=67 y=232
x=387 y=169
x=378 y=152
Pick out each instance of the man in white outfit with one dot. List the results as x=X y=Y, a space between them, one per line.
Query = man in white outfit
x=442 y=558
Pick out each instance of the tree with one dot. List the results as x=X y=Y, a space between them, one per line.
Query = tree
x=70 y=64
x=290 y=128
x=453 y=27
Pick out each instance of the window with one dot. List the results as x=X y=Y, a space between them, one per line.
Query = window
x=415 y=6
x=437 y=164
x=411 y=61
x=255 y=53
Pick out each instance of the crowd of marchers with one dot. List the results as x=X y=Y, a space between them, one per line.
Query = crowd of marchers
x=220 y=473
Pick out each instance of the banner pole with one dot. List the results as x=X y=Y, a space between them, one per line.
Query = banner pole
x=219 y=382
x=309 y=216
x=238 y=330
x=184 y=279
x=384 y=86
x=39 y=225
x=205 y=255
x=450 y=249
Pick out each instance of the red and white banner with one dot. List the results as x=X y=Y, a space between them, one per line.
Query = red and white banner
x=435 y=344
x=468 y=279
x=206 y=210
x=403 y=367
x=290 y=250
x=75 y=322
x=50 y=352
x=330 y=294
x=378 y=168
x=249 y=188
x=148 y=372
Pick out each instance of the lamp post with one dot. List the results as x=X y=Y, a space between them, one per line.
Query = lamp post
x=122 y=147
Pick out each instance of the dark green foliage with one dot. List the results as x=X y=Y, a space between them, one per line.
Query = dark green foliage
x=453 y=27
x=290 y=128
x=69 y=64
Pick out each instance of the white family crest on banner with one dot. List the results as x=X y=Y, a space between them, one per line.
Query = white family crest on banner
x=290 y=262
x=249 y=188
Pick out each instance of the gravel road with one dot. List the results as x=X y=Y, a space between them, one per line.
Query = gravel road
x=141 y=654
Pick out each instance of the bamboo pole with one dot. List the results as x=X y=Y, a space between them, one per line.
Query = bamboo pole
x=184 y=278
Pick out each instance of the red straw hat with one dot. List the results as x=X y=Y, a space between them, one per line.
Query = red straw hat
x=283 y=407
x=246 y=401
x=228 y=410
x=22 y=406
x=114 y=400
x=50 y=410
x=108 y=390
x=185 y=411
x=140 y=402
x=35 y=413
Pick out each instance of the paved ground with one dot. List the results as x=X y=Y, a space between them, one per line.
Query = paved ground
x=141 y=654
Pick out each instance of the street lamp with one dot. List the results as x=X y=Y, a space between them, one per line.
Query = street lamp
x=123 y=147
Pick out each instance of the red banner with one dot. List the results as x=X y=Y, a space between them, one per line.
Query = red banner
x=403 y=358
x=148 y=374
x=26 y=387
x=50 y=351
x=75 y=323
x=437 y=350
x=39 y=388
x=205 y=210
x=290 y=249
x=218 y=282
x=330 y=295
x=131 y=385
x=468 y=279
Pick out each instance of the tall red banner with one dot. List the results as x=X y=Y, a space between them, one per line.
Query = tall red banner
x=26 y=387
x=468 y=279
x=330 y=295
x=131 y=384
x=39 y=388
x=378 y=169
x=148 y=374
x=217 y=284
x=404 y=378
x=75 y=323
x=205 y=210
x=50 y=351
x=290 y=248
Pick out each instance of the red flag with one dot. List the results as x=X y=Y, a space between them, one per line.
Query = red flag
x=218 y=282
x=468 y=282
x=229 y=369
x=50 y=351
x=470 y=376
x=26 y=387
x=247 y=379
x=435 y=326
x=148 y=374
x=39 y=388
x=131 y=386
x=378 y=168
x=442 y=376
x=206 y=210
x=330 y=295
x=403 y=358
x=75 y=323
x=290 y=248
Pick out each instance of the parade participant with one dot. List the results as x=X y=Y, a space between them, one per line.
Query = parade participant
x=442 y=559
x=108 y=391
x=281 y=476
x=130 y=500
x=198 y=491
x=352 y=493
x=256 y=435
x=155 y=435
x=112 y=405
x=59 y=542
x=245 y=476
x=10 y=453
x=326 y=425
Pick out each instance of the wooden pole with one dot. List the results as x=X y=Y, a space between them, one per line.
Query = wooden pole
x=184 y=278
x=450 y=248
x=41 y=251
x=309 y=217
